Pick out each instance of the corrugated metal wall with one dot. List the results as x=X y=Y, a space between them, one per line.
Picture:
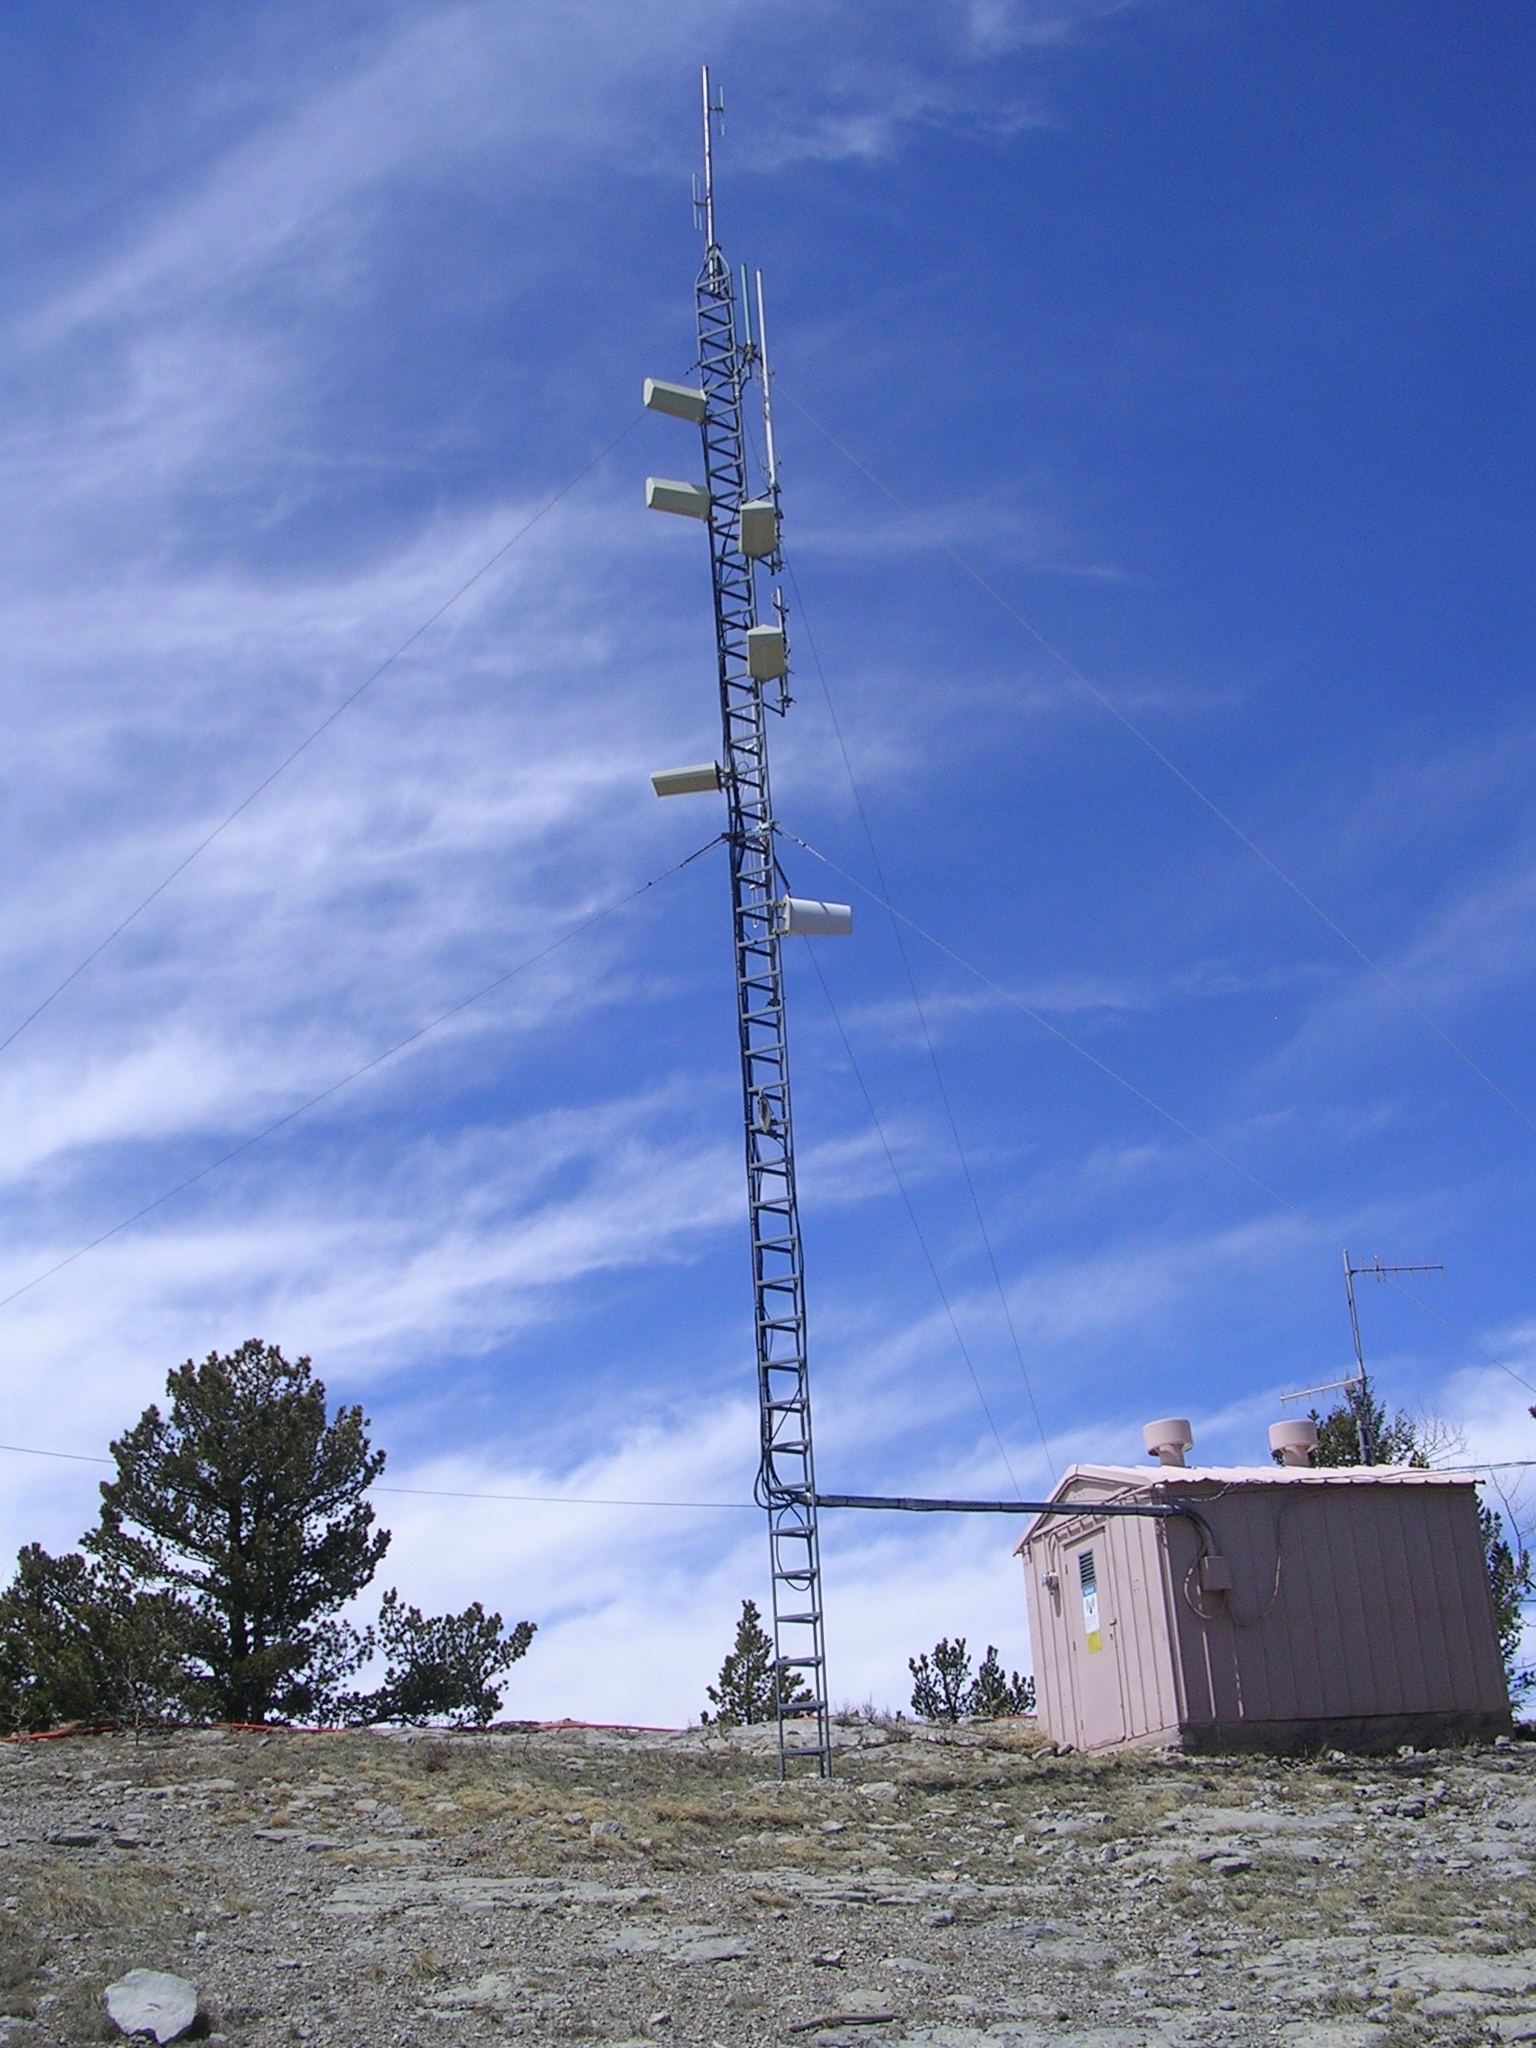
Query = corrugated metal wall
x=1348 y=1602
x=1135 y=1638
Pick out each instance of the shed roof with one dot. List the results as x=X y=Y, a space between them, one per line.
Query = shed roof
x=1157 y=1482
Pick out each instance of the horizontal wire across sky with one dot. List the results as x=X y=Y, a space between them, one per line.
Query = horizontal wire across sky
x=1150 y=335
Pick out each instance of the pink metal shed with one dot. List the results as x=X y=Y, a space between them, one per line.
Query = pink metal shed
x=1346 y=1606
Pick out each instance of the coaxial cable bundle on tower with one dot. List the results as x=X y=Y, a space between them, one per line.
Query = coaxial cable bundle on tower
x=752 y=648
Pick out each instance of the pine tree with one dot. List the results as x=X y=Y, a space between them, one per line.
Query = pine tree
x=944 y=1690
x=1511 y=1582
x=747 y=1688
x=79 y=1644
x=246 y=1503
x=441 y=1666
x=995 y=1694
x=941 y=1682
x=1360 y=1432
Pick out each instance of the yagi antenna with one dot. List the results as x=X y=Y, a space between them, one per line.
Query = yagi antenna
x=1357 y=1384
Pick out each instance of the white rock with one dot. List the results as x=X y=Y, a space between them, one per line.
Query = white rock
x=1333 y=2034
x=489 y=1993
x=1455 y=2005
x=1514 y=1976
x=153 y=2002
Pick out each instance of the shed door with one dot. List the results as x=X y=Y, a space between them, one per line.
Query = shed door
x=1095 y=1640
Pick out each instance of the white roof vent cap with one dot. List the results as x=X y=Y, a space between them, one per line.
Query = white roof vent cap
x=1168 y=1440
x=1293 y=1441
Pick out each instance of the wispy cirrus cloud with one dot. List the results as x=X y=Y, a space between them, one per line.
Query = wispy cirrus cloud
x=262 y=411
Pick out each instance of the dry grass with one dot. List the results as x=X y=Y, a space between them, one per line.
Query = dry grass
x=23 y=1959
x=506 y=1807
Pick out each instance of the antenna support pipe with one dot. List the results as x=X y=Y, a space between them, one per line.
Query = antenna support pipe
x=1151 y=1510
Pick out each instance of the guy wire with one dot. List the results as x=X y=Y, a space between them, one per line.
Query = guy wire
x=1107 y=702
x=357 y=1073
x=308 y=741
x=933 y=1056
x=917 y=1228
x=1141 y=1095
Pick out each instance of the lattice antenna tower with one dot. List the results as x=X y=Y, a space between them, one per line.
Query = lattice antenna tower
x=739 y=502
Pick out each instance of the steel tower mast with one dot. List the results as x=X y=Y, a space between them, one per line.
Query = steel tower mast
x=752 y=661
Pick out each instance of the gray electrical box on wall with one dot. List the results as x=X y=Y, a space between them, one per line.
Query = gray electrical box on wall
x=1345 y=1606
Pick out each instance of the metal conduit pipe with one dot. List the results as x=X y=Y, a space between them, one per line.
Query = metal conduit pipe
x=1153 y=1510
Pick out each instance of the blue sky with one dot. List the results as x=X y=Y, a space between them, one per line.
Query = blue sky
x=1199 y=331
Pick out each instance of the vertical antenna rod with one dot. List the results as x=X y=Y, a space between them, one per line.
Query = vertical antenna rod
x=786 y=1485
x=770 y=457
x=1354 y=1316
x=709 y=159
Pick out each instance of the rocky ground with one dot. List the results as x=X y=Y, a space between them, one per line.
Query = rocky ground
x=596 y=1886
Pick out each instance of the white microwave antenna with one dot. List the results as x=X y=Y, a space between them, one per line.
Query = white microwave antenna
x=753 y=670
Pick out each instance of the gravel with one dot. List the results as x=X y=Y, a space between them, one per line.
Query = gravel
x=613 y=1887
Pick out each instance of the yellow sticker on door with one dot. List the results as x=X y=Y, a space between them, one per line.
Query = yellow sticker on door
x=1088 y=1579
